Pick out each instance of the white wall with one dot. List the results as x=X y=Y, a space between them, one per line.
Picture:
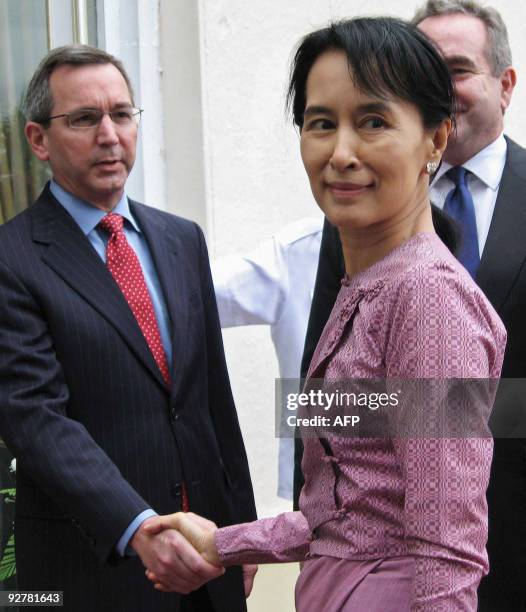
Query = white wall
x=183 y=117
x=129 y=29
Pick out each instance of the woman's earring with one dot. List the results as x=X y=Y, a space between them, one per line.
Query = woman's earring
x=431 y=167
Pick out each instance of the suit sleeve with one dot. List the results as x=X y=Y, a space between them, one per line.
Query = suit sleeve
x=55 y=451
x=222 y=407
x=331 y=270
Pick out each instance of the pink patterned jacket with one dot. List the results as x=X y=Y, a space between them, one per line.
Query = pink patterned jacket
x=414 y=314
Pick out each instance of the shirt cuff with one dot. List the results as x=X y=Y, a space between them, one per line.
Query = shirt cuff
x=123 y=547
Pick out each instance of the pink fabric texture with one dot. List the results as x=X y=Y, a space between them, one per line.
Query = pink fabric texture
x=415 y=314
x=327 y=584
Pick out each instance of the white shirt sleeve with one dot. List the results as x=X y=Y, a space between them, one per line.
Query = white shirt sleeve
x=251 y=289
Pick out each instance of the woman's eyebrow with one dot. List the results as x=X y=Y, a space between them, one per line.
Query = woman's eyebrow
x=373 y=107
x=367 y=107
x=316 y=110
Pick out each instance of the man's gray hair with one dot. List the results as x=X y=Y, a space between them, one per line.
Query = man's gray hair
x=38 y=101
x=498 y=52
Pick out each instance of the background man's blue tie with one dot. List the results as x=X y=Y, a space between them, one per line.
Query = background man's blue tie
x=459 y=205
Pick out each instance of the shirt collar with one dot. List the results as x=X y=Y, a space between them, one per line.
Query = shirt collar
x=487 y=164
x=87 y=216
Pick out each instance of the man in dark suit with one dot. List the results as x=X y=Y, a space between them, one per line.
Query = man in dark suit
x=475 y=45
x=114 y=394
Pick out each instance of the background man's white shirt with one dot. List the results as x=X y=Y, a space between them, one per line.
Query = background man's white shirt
x=273 y=285
x=486 y=169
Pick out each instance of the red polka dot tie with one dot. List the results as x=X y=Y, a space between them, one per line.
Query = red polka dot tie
x=125 y=268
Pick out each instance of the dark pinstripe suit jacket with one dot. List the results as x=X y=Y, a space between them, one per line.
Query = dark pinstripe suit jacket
x=97 y=435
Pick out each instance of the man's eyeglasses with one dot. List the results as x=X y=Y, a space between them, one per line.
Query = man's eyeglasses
x=86 y=118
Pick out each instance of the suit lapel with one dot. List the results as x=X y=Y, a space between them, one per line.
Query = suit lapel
x=165 y=250
x=70 y=254
x=505 y=249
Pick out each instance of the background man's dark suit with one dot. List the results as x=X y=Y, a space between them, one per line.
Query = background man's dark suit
x=502 y=276
x=83 y=406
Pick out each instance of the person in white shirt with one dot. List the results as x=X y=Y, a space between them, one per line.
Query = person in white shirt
x=273 y=285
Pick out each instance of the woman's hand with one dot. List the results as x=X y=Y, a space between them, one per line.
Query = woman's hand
x=196 y=529
x=200 y=534
x=173 y=563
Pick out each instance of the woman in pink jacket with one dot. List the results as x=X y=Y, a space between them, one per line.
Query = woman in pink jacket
x=387 y=523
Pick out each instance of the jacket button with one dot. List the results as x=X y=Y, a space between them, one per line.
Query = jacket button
x=174 y=414
x=176 y=489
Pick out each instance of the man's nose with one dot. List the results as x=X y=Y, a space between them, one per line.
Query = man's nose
x=344 y=153
x=107 y=131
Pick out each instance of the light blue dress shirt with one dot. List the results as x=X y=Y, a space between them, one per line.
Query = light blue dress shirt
x=87 y=218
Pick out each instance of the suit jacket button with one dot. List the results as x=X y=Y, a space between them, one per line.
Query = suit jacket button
x=175 y=416
x=176 y=489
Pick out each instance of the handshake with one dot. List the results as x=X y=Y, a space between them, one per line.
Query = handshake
x=180 y=554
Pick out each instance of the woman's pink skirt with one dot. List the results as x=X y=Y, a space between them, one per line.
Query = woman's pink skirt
x=327 y=584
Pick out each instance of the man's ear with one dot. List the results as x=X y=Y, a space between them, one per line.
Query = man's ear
x=37 y=137
x=508 y=80
x=438 y=141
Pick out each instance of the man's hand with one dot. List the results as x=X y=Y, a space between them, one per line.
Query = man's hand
x=173 y=561
x=196 y=529
x=199 y=532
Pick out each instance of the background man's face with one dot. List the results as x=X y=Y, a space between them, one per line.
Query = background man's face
x=480 y=101
x=93 y=164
